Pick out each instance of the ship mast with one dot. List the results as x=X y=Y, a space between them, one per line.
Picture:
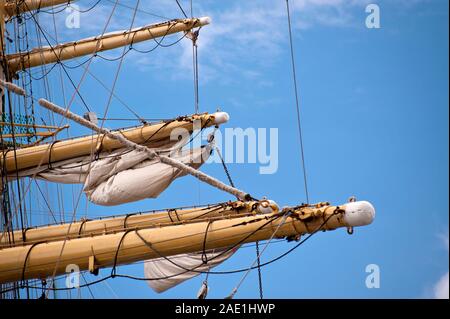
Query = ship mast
x=47 y=251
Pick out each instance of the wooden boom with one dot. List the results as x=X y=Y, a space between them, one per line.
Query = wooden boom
x=60 y=52
x=148 y=135
x=45 y=259
x=102 y=226
x=16 y=7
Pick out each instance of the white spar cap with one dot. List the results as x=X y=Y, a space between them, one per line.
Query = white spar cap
x=359 y=213
x=204 y=20
x=221 y=117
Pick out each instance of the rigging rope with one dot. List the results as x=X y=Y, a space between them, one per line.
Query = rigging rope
x=294 y=77
x=141 y=10
x=81 y=64
x=88 y=287
x=5 y=191
x=235 y=289
x=181 y=8
x=116 y=77
x=79 y=197
x=259 y=271
x=225 y=168
x=194 y=36
x=105 y=113
x=68 y=107
x=256 y=243
x=63 y=90
x=10 y=109
x=77 y=91
x=195 y=69
x=68 y=5
x=88 y=60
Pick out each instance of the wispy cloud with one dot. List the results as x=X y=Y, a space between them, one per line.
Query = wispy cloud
x=251 y=35
x=245 y=39
x=244 y=36
x=441 y=288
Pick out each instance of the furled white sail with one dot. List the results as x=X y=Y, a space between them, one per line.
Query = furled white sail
x=122 y=176
x=166 y=273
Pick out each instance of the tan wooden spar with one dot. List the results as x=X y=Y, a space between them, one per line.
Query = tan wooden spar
x=42 y=260
x=85 y=228
x=15 y=7
x=147 y=134
x=29 y=125
x=60 y=52
x=43 y=134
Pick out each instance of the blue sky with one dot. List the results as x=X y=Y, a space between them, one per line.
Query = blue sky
x=374 y=106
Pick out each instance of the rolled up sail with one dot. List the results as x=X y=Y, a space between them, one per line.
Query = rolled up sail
x=121 y=176
x=125 y=178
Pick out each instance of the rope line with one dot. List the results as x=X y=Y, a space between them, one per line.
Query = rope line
x=294 y=77
x=181 y=8
x=259 y=271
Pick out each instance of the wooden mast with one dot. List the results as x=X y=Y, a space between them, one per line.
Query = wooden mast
x=41 y=260
x=130 y=239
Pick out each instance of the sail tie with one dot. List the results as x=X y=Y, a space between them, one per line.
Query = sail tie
x=22 y=280
x=204 y=256
x=113 y=270
x=49 y=165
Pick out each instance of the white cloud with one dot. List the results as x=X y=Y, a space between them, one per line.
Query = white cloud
x=444 y=239
x=441 y=288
